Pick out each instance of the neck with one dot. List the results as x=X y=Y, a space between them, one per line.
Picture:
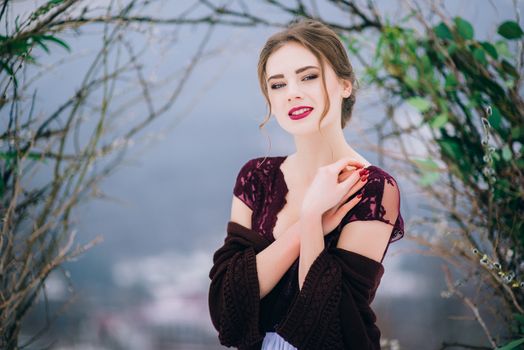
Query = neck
x=316 y=150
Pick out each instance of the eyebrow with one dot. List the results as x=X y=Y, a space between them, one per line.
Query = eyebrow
x=300 y=70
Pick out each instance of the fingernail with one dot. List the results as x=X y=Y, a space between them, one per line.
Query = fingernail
x=364 y=178
x=363 y=172
x=359 y=195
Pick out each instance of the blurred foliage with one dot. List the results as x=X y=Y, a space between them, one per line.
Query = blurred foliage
x=467 y=93
x=16 y=46
x=72 y=147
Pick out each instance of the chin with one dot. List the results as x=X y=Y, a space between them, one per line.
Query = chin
x=306 y=127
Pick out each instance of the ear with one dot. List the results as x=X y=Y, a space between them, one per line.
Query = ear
x=347 y=88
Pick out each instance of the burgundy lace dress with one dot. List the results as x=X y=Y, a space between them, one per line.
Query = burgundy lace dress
x=260 y=184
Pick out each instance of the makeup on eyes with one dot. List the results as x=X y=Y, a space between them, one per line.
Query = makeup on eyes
x=311 y=76
x=298 y=71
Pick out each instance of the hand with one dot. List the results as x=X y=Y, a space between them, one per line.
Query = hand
x=325 y=191
x=332 y=218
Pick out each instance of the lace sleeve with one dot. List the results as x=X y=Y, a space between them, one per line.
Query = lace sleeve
x=245 y=186
x=380 y=201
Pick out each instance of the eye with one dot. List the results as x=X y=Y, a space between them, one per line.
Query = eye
x=312 y=76
x=307 y=77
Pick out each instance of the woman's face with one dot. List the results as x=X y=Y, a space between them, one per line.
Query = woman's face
x=290 y=84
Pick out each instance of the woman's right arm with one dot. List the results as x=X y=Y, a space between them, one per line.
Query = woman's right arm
x=277 y=258
x=272 y=262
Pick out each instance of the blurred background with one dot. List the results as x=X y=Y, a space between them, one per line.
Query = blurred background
x=192 y=94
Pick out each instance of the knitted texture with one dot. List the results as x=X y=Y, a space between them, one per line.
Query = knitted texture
x=234 y=295
x=332 y=310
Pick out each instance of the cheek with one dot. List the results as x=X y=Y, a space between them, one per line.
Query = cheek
x=316 y=92
x=278 y=103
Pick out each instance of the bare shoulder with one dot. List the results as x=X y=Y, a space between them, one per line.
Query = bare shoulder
x=241 y=213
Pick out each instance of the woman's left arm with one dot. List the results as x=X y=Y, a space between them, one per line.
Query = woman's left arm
x=332 y=309
x=323 y=194
x=339 y=283
x=311 y=242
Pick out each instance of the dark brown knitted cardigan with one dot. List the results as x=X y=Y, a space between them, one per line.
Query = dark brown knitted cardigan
x=331 y=311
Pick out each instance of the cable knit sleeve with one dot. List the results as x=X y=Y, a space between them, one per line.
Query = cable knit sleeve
x=234 y=295
x=332 y=310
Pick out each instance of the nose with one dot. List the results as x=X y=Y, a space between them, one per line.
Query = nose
x=293 y=91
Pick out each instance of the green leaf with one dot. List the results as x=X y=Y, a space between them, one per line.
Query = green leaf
x=495 y=118
x=379 y=46
x=15 y=47
x=452 y=48
x=9 y=71
x=428 y=179
x=490 y=49
x=517 y=132
x=8 y=155
x=464 y=28
x=426 y=164
x=508 y=68
x=503 y=49
x=510 y=30
x=412 y=83
x=442 y=31
x=42 y=10
x=519 y=318
x=451 y=82
x=56 y=40
x=506 y=153
x=480 y=56
x=510 y=84
x=39 y=41
x=17 y=24
x=512 y=345
x=439 y=121
x=419 y=103
x=7 y=68
x=408 y=17
x=451 y=148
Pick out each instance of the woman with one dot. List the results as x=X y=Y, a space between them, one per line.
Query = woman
x=308 y=232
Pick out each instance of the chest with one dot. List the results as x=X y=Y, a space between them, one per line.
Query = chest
x=289 y=214
x=293 y=197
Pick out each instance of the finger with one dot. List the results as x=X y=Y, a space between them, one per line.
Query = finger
x=344 y=175
x=352 y=186
x=347 y=171
x=342 y=186
x=344 y=209
x=357 y=187
x=343 y=162
x=350 y=193
x=350 y=181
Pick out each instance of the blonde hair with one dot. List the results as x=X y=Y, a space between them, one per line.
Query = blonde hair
x=324 y=43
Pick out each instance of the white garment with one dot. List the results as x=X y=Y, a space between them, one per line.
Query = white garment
x=273 y=341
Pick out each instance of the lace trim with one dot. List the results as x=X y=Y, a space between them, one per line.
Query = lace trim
x=272 y=178
x=379 y=193
x=268 y=191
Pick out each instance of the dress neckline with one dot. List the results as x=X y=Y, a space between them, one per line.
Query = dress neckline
x=280 y=177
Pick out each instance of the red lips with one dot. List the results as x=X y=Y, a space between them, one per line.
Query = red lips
x=297 y=108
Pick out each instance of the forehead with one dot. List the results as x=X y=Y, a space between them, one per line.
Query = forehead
x=286 y=59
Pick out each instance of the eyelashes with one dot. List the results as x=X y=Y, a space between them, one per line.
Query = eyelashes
x=310 y=76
